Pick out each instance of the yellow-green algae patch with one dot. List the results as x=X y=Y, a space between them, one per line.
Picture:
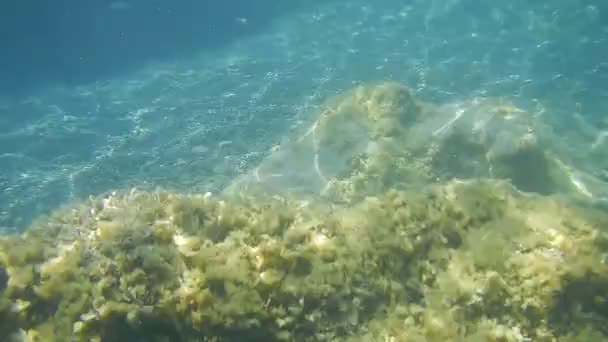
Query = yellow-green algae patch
x=462 y=261
x=378 y=136
x=357 y=229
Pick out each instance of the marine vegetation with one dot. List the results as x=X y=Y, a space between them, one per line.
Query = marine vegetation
x=481 y=257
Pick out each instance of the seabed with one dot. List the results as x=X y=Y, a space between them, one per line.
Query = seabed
x=386 y=219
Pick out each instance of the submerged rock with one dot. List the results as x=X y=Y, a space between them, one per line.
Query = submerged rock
x=356 y=229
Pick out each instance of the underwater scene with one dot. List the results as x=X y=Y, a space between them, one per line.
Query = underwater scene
x=313 y=171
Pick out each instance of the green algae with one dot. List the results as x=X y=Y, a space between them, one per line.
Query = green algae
x=378 y=253
x=442 y=266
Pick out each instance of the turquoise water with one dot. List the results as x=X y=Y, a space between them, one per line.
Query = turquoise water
x=187 y=97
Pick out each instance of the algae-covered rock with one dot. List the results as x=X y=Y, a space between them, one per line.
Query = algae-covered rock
x=355 y=136
x=387 y=219
x=378 y=137
x=466 y=259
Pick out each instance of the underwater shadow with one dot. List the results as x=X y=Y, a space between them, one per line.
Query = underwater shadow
x=77 y=42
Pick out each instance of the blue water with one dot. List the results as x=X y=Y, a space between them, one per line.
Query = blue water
x=186 y=95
